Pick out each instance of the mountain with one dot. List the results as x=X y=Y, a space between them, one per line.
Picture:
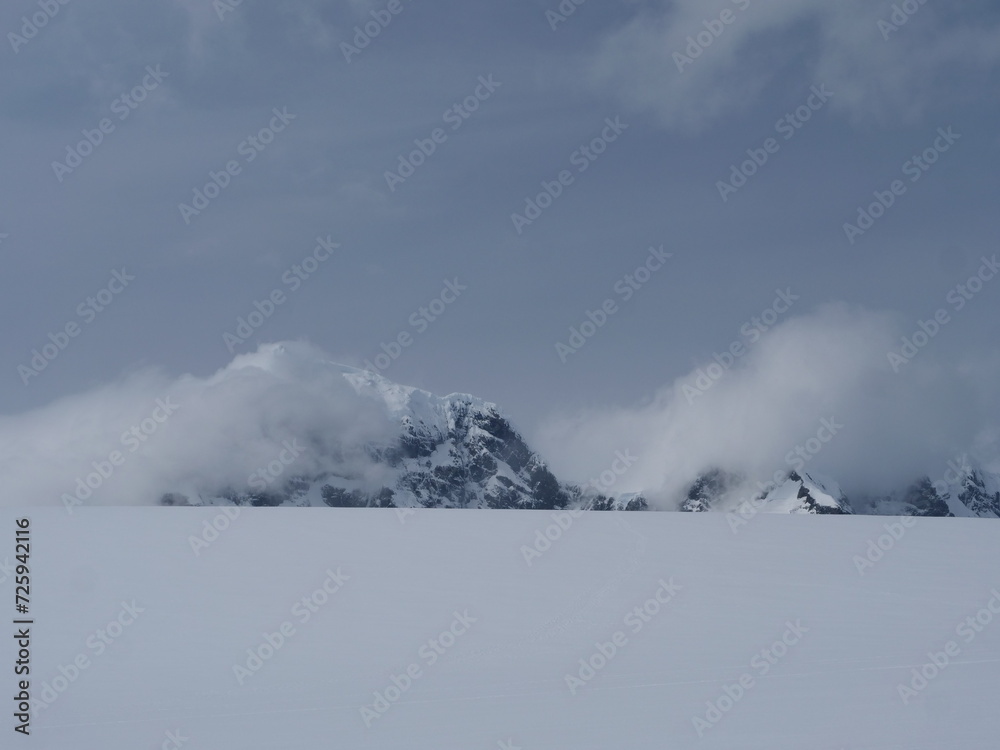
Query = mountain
x=972 y=492
x=454 y=451
x=794 y=492
x=459 y=451
x=980 y=493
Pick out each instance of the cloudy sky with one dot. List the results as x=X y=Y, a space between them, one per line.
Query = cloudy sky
x=123 y=255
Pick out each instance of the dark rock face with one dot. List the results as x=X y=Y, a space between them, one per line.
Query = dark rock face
x=258 y=499
x=975 y=497
x=705 y=490
x=602 y=502
x=812 y=506
x=337 y=497
x=925 y=500
x=478 y=460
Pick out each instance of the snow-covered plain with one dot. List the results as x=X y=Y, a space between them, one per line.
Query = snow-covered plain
x=853 y=630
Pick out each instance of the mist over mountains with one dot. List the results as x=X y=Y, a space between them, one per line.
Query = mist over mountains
x=810 y=417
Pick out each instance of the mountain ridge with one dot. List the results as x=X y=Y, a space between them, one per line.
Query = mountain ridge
x=461 y=451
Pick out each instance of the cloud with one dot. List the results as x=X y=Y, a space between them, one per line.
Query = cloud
x=876 y=74
x=832 y=365
x=199 y=435
x=222 y=428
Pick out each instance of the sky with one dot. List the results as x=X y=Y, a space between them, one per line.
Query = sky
x=462 y=190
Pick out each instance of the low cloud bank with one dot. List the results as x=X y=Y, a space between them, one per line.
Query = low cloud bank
x=130 y=441
x=816 y=391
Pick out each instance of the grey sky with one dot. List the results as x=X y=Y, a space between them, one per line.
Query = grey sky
x=323 y=176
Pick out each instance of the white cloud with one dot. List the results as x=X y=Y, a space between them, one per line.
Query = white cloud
x=225 y=427
x=839 y=44
x=829 y=364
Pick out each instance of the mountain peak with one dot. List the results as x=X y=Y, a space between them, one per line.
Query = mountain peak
x=369 y=441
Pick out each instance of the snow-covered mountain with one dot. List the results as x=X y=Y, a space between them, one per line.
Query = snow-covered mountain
x=459 y=451
x=794 y=492
x=454 y=451
x=970 y=491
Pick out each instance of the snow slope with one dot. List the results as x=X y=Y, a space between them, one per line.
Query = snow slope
x=544 y=588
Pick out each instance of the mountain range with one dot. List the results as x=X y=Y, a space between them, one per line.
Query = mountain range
x=459 y=451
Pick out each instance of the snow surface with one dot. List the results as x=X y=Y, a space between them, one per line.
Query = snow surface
x=502 y=683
